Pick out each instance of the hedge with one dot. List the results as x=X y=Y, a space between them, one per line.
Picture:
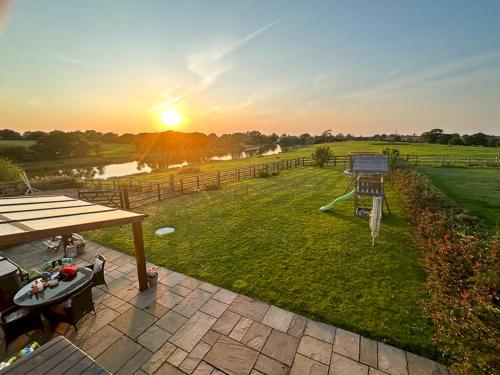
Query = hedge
x=461 y=258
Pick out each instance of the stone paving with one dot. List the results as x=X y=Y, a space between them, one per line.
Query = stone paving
x=186 y=326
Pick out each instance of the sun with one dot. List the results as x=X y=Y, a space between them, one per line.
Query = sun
x=171 y=117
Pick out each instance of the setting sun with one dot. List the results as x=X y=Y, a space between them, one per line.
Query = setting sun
x=171 y=117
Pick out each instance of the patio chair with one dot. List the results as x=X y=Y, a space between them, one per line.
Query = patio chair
x=16 y=321
x=27 y=182
x=98 y=268
x=72 y=309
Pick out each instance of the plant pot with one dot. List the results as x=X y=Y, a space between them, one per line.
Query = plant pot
x=152 y=280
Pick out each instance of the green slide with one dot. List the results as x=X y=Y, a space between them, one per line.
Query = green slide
x=338 y=199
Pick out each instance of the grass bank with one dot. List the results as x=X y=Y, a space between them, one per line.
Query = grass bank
x=273 y=244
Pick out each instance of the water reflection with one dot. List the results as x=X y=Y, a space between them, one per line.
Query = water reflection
x=134 y=167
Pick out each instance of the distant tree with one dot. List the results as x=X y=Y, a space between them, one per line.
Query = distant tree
x=431 y=136
x=33 y=135
x=15 y=153
x=479 y=139
x=110 y=138
x=321 y=155
x=493 y=142
x=455 y=140
x=9 y=171
x=8 y=134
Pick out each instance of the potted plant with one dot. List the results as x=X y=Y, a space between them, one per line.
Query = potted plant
x=152 y=273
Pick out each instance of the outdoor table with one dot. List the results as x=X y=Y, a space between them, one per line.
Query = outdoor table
x=58 y=356
x=49 y=296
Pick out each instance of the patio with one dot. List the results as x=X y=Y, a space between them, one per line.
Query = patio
x=186 y=326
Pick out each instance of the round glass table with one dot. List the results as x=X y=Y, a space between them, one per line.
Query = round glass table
x=53 y=295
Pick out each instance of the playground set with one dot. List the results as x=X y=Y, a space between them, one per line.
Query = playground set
x=366 y=174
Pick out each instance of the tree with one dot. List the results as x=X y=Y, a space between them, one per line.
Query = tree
x=33 y=135
x=321 y=155
x=431 y=136
x=9 y=171
x=455 y=141
x=393 y=155
x=8 y=134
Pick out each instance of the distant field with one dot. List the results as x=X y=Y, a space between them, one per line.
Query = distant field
x=478 y=190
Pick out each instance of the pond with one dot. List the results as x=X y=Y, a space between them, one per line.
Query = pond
x=135 y=167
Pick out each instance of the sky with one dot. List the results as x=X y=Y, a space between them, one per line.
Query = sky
x=359 y=67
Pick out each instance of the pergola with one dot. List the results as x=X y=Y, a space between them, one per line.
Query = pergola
x=29 y=218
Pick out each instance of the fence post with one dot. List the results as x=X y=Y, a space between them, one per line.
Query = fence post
x=238 y=175
x=172 y=183
x=218 y=178
x=497 y=160
x=126 y=201
x=158 y=190
x=416 y=160
x=468 y=161
x=442 y=160
x=182 y=186
x=130 y=182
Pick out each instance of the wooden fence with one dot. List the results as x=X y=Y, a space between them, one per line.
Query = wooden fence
x=130 y=193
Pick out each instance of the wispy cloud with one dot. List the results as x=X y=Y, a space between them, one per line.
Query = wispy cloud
x=398 y=82
x=210 y=65
x=69 y=59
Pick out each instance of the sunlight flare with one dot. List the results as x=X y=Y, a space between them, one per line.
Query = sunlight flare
x=171 y=117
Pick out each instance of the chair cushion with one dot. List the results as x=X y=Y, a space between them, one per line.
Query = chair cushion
x=98 y=265
x=15 y=315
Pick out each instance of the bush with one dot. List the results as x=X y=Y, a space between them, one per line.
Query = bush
x=462 y=286
x=55 y=182
x=16 y=153
x=321 y=155
x=393 y=156
x=9 y=171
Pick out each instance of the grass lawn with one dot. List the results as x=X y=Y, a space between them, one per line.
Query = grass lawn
x=273 y=244
x=478 y=190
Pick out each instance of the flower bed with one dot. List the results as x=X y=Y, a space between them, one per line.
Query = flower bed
x=461 y=259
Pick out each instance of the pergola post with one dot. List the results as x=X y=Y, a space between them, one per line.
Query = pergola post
x=140 y=257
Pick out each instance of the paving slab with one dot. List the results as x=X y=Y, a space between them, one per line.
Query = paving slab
x=192 y=331
x=368 y=352
x=214 y=308
x=226 y=322
x=315 y=349
x=240 y=329
x=177 y=357
x=100 y=341
x=281 y=347
x=211 y=337
x=306 y=366
x=341 y=365
x=297 y=326
x=346 y=343
x=203 y=369
x=418 y=365
x=113 y=358
x=256 y=336
x=169 y=299
x=249 y=308
x=231 y=357
x=225 y=296
x=270 y=366
x=133 y=322
x=278 y=318
x=171 y=321
x=154 y=338
x=320 y=331
x=156 y=310
x=391 y=360
x=192 y=302
x=134 y=364
x=158 y=358
x=194 y=358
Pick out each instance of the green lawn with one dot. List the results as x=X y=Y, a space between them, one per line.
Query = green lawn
x=478 y=190
x=273 y=244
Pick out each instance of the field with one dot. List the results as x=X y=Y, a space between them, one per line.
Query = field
x=478 y=190
x=273 y=244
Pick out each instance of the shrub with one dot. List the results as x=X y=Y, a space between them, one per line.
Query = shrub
x=9 y=171
x=461 y=259
x=393 y=156
x=55 y=182
x=321 y=155
x=16 y=153
x=213 y=187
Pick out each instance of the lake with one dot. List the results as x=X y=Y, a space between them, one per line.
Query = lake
x=135 y=167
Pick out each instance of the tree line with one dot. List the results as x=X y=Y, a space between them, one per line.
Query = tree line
x=173 y=146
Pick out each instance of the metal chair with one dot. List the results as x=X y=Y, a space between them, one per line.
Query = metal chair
x=72 y=309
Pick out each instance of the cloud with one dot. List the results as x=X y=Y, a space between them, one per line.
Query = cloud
x=400 y=82
x=69 y=59
x=210 y=65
